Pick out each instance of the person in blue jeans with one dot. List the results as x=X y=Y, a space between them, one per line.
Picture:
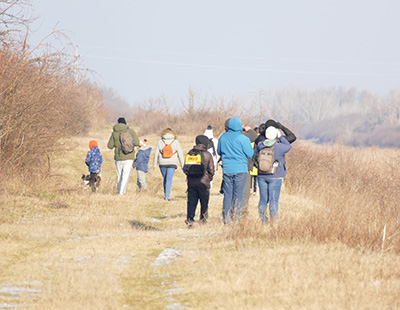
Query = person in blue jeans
x=168 y=164
x=235 y=149
x=270 y=184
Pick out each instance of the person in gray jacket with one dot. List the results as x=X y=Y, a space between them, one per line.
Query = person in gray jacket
x=168 y=163
x=123 y=162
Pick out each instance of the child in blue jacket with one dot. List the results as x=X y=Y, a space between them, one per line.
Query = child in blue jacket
x=93 y=161
x=141 y=164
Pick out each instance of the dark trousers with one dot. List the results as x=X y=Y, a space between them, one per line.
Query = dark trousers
x=194 y=195
x=92 y=181
x=253 y=183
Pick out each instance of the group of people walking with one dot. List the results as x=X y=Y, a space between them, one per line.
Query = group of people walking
x=238 y=150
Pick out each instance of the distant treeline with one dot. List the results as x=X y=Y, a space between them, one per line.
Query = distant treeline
x=323 y=115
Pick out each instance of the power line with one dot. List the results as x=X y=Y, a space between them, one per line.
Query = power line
x=335 y=61
x=137 y=60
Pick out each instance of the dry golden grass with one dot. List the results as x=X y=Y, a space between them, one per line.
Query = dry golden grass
x=77 y=250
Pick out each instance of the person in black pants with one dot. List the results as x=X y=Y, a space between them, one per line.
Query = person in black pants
x=199 y=186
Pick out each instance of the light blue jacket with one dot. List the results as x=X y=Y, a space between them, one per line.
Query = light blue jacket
x=234 y=148
x=142 y=159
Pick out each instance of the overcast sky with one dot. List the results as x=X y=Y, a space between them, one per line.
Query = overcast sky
x=150 y=48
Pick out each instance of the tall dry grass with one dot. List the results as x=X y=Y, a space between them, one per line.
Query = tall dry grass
x=355 y=195
x=97 y=251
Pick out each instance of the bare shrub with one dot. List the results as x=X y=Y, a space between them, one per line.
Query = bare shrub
x=357 y=196
x=192 y=117
x=39 y=104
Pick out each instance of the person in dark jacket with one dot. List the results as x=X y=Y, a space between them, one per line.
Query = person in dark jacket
x=290 y=137
x=141 y=164
x=199 y=186
x=252 y=135
x=270 y=184
x=93 y=161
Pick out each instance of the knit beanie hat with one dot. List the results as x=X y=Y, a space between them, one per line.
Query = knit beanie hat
x=209 y=132
x=121 y=120
x=271 y=133
x=202 y=139
x=270 y=123
x=261 y=129
x=92 y=143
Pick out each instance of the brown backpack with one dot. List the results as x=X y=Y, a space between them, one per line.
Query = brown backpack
x=266 y=160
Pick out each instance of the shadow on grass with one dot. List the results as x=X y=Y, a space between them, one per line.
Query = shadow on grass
x=171 y=216
x=142 y=226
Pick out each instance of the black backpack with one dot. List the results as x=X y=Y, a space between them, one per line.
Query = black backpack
x=194 y=164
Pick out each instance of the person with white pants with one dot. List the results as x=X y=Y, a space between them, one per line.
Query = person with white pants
x=123 y=162
x=124 y=168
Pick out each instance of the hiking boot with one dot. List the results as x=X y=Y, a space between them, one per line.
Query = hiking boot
x=189 y=222
x=203 y=221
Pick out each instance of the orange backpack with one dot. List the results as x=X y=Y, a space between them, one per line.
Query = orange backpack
x=167 y=151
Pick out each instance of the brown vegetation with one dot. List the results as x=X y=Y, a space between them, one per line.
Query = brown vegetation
x=353 y=198
x=75 y=249
x=190 y=117
x=41 y=101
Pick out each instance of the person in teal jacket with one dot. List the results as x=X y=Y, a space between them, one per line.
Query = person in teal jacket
x=235 y=149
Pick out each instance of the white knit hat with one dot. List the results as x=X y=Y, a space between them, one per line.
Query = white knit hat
x=271 y=133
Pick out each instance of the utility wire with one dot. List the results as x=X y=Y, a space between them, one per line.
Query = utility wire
x=244 y=68
x=246 y=57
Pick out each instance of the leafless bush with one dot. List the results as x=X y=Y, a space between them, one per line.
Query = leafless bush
x=190 y=118
x=14 y=17
x=40 y=103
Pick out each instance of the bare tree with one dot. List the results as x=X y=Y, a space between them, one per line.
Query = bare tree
x=14 y=18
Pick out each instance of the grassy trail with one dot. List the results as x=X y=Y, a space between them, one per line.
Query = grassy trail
x=70 y=249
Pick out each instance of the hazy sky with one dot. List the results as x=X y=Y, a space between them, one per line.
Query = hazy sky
x=149 y=48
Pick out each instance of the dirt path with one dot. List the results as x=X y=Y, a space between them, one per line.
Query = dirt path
x=93 y=252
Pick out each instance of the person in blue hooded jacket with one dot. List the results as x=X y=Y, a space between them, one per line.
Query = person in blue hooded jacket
x=141 y=164
x=235 y=149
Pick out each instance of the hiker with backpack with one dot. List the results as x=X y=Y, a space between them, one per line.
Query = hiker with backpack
x=270 y=161
x=167 y=154
x=199 y=169
x=123 y=140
